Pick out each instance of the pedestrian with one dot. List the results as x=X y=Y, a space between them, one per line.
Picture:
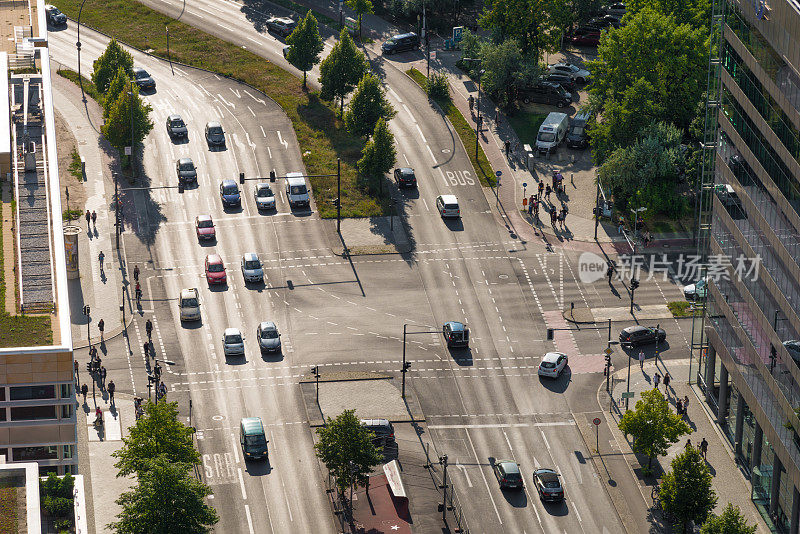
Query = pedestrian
x=547 y=192
x=101 y=257
x=471 y=102
x=621 y=227
x=75 y=366
x=162 y=389
x=98 y=417
x=536 y=208
x=686 y=405
x=641 y=360
x=146 y=349
x=656 y=380
x=136 y=273
x=508 y=148
x=94 y=218
x=564 y=212
x=111 y=388
x=688 y=444
x=88 y=219
x=497 y=118
x=148 y=326
x=667 y=380
x=103 y=374
x=84 y=392
x=703 y=448
x=541 y=188
x=561 y=217
x=92 y=352
x=553 y=218
x=101 y=325
x=679 y=407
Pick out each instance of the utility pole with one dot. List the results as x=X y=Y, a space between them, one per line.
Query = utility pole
x=406 y=365
x=133 y=148
x=443 y=461
x=608 y=356
x=86 y=310
x=315 y=372
x=597 y=209
x=339 y=196
x=116 y=206
x=478 y=121
x=427 y=41
x=78 y=46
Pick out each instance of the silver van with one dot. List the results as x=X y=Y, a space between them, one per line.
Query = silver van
x=552 y=132
x=296 y=189
x=382 y=428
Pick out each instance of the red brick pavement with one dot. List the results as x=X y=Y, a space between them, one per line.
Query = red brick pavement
x=379 y=511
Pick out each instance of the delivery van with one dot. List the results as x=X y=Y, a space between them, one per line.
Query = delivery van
x=552 y=132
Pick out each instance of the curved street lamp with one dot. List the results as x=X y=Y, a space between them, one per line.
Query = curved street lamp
x=78 y=45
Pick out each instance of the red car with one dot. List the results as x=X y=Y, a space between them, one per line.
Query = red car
x=584 y=37
x=215 y=269
x=204 y=227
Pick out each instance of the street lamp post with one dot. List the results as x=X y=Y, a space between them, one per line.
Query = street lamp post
x=133 y=151
x=78 y=46
x=339 y=196
x=478 y=122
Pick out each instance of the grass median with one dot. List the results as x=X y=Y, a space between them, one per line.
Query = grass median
x=467 y=134
x=320 y=133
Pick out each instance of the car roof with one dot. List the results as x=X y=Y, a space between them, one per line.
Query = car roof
x=232 y=332
x=189 y=292
x=252 y=425
x=295 y=178
x=546 y=475
x=372 y=422
x=449 y=199
x=139 y=69
x=409 y=34
x=406 y=170
x=228 y=181
x=267 y=325
x=259 y=185
x=249 y=256
x=214 y=258
x=213 y=124
x=636 y=328
x=185 y=160
x=174 y=116
x=204 y=217
x=552 y=356
x=50 y=6
x=455 y=325
x=283 y=19
x=509 y=466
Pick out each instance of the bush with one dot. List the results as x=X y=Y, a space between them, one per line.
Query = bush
x=71 y=215
x=438 y=88
x=57 y=499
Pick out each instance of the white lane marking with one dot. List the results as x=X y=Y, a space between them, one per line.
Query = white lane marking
x=262 y=130
x=225 y=27
x=466 y=475
x=254 y=40
x=545 y=441
x=282 y=140
x=395 y=95
x=249 y=519
x=431 y=153
x=420 y=134
x=259 y=100
x=508 y=441
x=251 y=111
x=241 y=484
x=236 y=92
x=494 y=425
x=426 y=205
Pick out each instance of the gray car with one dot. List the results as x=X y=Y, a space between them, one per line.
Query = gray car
x=265 y=198
x=143 y=79
x=269 y=339
x=215 y=135
x=186 y=170
x=232 y=342
x=251 y=268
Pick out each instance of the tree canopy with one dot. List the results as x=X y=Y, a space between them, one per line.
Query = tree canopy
x=166 y=499
x=345 y=447
x=119 y=84
x=530 y=22
x=305 y=45
x=157 y=432
x=361 y=8
x=730 y=521
x=105 y=67
x=379 y=154
x=686 y=491
x=342 y=69
x=368 y=104
x=653 y=425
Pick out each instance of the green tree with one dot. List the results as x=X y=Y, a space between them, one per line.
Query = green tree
x=506 y=70
x=696 y=13
x=345 y=447
x=731 y=521
x=119 y=84
x=379 y=154
x=105 y=67
x=157 y=433
x=361 y=8
x=342 y=69
x=530 y=22
x=306 y=45
x=653 y=425
x=686 y=490
x=165 y=499
x=367 y=106
x=117 y=127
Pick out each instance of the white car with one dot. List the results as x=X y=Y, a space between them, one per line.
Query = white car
x=265 y=198
x=578 y=74
x=553 y=364
x=696 y=291
x=232 y=342
x=251 y=268
x=189 y=305
x=448 y=206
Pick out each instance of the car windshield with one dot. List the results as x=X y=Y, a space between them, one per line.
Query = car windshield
x=230 y=189
x=215 y=130
x=548 y=365
x=187 y=166
x=297 y=190
x=257 y=440
x=577 y=130
x=176 y=123
x=451 y=206
x=700 y=285
x=514 y=475
x=551 y=484
x=216 y=268
x=252 y=264
x=233 y=338
x=269 y=334
x=264 y=191
x=141 y=74
x=190 y=303
x=205 y=224
x=547 y=137
x=55 y=11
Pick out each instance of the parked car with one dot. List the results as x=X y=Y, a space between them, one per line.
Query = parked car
x=405 y=177
x=508 y=474
x=232 y=342
x=548 y=485
x=400 y=43
x=696 y=291
x=269 y=339
x=265 y=198
x=584 y=36
x=229 y=193
x=54 y=16
x=204 y=226
x=793 y=346
x=186 y=170
x=573 y=71
x=455 y=334
x=176 y=127
x=553 y=364
x=215 y=135
x=383 y=430
x=251 y=268
x=143 y=79
x=215 y=270
x=283 y=26
x=546 y=93
x=448 y=206
x=603 y=22
x=563 y=80
x=641 y=335
x=576 y=136
x=616 y=9
x=189 y=305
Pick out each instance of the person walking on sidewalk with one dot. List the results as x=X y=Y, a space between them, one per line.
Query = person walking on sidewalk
x=553 y=219
x=101 y=257
x=667 y=379
x=688 y=444
x=88 y=219
x=541 y=188
x=75 y=366
x=686 y=406
x=84 y=392
x=679 y=407
x=94 y=219
x=148 y=326
x=101 y=325
x=703 y=448
x=471 y=101
x=536 y=208
x=641 y=356
x=656 y=380
x=103 y=374
x=111 y=389
x=547 y=192
x=136 y=273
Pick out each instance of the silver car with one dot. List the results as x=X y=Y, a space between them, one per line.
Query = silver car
x=268 y=337
x=232 y=342
x=265 y=198
x=251 y=268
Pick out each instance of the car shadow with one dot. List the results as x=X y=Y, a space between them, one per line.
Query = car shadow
x=217 y=148
x=192 y=325
x=233 y=209
x=258 y=468
x=556 y=508
x=455 y=225
x=208 y=242
x=235 y=360
x=557 y=385
x=218 y=288
x=408 y=192
x=515 y=497
x=301 y=212
x=462 y=356
x=180 y=140
x=272 y=356
x=255 y=286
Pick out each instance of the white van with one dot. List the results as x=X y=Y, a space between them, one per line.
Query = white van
x=189 y=305
x=552 y=132
x=296 y=189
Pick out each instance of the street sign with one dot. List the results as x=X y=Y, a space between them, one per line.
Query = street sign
x=499 y=173
x=628 y=394
x=128 y=151
x=609 y=351
x=457 y=33
x=596 y=421
x=524 y=184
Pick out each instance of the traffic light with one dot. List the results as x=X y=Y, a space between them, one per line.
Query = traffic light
x=608 y=360
x=549 y=334
x=272 y=176
x=406 y=366
x=634 y=284
x=89 y=367
x=241 y=178
x=86 y=310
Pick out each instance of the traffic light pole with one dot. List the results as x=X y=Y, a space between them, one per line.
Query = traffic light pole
x=407 y=365
x=608 y=356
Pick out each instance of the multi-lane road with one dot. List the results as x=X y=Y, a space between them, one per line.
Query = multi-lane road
x=482 y=404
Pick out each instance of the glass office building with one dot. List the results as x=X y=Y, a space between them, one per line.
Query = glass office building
x=744 y=345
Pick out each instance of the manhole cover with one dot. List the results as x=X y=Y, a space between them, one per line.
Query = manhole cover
x=445 y=150
x=502 y=276
x=218 y=417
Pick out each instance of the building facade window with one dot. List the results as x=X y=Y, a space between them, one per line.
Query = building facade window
x=68 y=451
x=66 y=411
x=66 y=391
x=33 y=413
x=30 y=454
x=33 y=392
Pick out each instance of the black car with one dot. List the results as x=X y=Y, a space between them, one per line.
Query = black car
x=641 y=335
x=400 y=43
x=176 y=127
x=548 y=485
x=215 y=135
x=143 y=78
x=186 y=170
x=576 y=135
x=404 y=177
x=546 y=93
x=605 y=21
x=507 y=473
x=383 y=430
x=561 y=79
x=283 y=26
x=54 y=16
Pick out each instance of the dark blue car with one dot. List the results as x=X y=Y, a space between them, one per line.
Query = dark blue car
x=229 y=192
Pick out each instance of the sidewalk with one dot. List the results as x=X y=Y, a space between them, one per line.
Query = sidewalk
x=729 y=482
x=101 y=290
